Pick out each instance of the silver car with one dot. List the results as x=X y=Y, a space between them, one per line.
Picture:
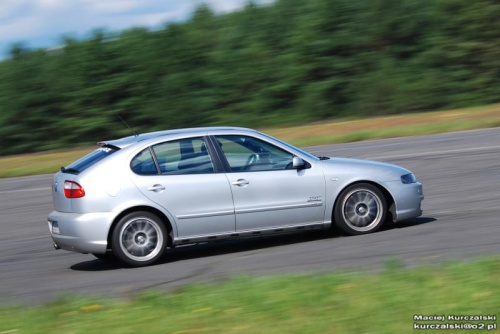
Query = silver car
x=133 y=197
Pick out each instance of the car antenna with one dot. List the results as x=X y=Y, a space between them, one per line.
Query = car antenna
x=128 y=126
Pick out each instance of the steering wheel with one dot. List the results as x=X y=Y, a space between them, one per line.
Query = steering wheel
x=252 y=159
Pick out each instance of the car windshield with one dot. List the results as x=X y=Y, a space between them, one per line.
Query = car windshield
x=90 y=159
x=306 y=154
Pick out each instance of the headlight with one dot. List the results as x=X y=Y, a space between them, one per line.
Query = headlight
x=408 y=178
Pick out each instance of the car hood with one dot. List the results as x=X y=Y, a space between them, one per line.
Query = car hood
x=376 y=169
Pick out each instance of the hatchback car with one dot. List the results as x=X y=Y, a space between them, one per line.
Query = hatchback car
x=133 y=197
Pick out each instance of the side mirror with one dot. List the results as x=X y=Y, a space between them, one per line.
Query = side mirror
x=298 y=163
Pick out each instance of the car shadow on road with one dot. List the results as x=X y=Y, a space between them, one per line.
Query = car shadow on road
x=409 y=223
x=189 y=252
x=202 y=250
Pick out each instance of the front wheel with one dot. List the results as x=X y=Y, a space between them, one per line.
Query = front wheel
x=139 y=239
x=360 y=209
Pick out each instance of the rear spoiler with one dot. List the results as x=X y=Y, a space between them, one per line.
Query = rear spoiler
x=106 y=144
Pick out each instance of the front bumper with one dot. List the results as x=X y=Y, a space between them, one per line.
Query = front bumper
x=407 y=199
x=82 y=233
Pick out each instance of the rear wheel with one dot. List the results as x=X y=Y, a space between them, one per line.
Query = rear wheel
x=360 y=209
x=139 y=239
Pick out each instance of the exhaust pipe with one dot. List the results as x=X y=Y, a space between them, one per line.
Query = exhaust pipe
x=56 y=246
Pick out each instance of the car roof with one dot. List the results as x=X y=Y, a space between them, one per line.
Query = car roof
x=127 y=141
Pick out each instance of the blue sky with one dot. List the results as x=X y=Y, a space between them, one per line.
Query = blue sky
x=41 y=23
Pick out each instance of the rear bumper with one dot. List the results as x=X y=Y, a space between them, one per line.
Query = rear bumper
x=82 y=233
x=407 y=200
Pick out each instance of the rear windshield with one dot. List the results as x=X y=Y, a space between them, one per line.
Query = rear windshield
x=90 y=159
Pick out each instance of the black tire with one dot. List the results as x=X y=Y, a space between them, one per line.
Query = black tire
x=139 y=239
x=108 y=257
x=360 y=209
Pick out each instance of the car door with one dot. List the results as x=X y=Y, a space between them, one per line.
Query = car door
x=180 y=176
x=267 y=191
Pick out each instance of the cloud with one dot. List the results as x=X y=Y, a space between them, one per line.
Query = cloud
x=19 y=29
x=41 y=23
x=226 y=5
x=9 y=7
x=156 y=19
x=113 y=7
x=49 y=3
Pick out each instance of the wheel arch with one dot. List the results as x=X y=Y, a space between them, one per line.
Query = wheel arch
x=391 y=206
x=146 y=208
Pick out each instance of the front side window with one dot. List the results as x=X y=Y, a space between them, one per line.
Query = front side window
x=184 y=156
x=245 y=154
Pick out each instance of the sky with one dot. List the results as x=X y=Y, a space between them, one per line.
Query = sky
x=42 y=23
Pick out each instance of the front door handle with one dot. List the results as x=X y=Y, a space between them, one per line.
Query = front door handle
x=240 y=183
x=156 y=188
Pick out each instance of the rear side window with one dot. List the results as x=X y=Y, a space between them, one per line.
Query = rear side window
x=90 y=159
x=185 y=156
x=143 y=163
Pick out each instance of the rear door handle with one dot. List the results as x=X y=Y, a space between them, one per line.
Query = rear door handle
x=156 y=188
x=240 y=182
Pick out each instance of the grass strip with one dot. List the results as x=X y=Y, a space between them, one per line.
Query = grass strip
x=328 y=132
x=384 y=302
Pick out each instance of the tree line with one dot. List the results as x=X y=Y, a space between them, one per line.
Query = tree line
x=292 y=61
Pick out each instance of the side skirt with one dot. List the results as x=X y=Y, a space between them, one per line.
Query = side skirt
x=251 y=233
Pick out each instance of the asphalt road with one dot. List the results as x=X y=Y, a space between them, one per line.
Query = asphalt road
x=461 y=177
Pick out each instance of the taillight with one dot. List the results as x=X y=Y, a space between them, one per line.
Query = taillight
x=73 y=190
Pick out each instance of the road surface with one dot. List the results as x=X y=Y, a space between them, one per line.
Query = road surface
x=460 y=173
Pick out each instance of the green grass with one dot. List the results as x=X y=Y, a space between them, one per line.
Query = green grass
x=394 y=132
x=311 y=303
x=328 y=132
x=38 y=163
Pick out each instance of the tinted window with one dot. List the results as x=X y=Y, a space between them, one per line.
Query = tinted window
x=185 y=156
x=91 y=159
x=143 y=163
x=250 y=154
x=307 y=154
